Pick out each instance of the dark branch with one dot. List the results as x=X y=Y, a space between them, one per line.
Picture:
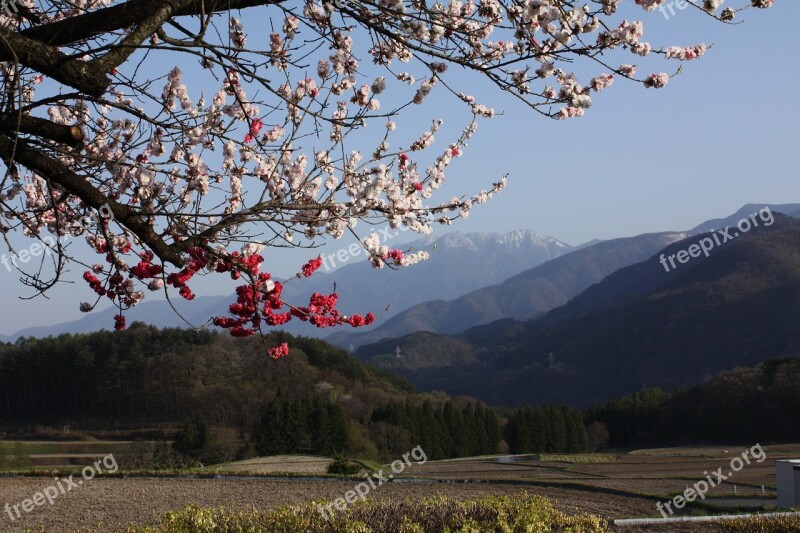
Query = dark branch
x=122 y=16
x=159 y=12
x=49 y=61
x=69 y=135
x=58 y=173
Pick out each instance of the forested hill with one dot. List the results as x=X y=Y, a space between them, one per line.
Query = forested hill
x=746 y=405
x=229 y=400
x=146 y=374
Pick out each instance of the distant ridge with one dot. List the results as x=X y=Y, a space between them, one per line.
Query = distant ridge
x=540 y=289
x=792 y=210
x=525 y=295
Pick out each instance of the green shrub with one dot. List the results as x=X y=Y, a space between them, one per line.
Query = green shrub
x=192 y=436
x=524 y=513
x=760 y=524
x=345 y=467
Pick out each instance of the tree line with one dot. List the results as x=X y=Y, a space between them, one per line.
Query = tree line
x=443 y=430
x=310 y=425
x=745 y=405
x=550 y=429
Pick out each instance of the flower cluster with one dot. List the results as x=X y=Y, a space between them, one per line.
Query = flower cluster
x=657 y=81
x=259 y=301
x=687 y=53
x=282 y=350
x=116 y=287
x=312 y=266
x=198 y=260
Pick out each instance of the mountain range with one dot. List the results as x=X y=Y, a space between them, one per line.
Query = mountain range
x=539 y=289
x=524 y=295
x=491 y=258
x=640 y=326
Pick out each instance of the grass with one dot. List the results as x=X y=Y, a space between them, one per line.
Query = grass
x=171 y=472
x=757 y=524
x=228 y=469
x=24 y=456
x=369 y=466
x=578 y=458
x=298 y=464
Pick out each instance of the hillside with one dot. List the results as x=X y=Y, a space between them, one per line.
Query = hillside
x=746 y=404
x=145 y=374
x=639 y=327
x=221 y=399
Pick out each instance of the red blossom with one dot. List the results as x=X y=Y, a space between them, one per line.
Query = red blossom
x=186 y=292
x=312 y=266
x=239 y=331
x=396 y=255
x=357 y=320
x=95 y=284
x=277 y=320
x=145 y=270
x=259 y=302
x=279 y=351
x=178 y=280
x=255 y=126
x=119 y=322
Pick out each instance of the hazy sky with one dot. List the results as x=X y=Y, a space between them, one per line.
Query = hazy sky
x=722 y=134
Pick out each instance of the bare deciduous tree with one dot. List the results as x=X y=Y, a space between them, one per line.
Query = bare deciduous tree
x=93 y=121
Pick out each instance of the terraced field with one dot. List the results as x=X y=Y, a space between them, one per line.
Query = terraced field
x=610 y=485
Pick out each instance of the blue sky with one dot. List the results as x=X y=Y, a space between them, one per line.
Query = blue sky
x=722 y=134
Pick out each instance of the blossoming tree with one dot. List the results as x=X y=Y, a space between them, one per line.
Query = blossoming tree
x=93 y=121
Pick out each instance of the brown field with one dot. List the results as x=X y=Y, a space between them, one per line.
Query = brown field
x=618 y=486
x=277 y=464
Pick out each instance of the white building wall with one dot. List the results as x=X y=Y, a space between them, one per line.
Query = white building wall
x=787 y=477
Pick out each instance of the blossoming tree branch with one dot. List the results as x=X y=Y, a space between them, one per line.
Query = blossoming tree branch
x=203 y=173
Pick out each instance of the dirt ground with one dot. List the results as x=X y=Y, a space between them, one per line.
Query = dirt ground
x=623 y=486
x=118 y=502
x=297 y=464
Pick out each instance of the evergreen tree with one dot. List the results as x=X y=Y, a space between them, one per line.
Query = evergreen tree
x=338 y=437
x=491 y=427
x=192 y=436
